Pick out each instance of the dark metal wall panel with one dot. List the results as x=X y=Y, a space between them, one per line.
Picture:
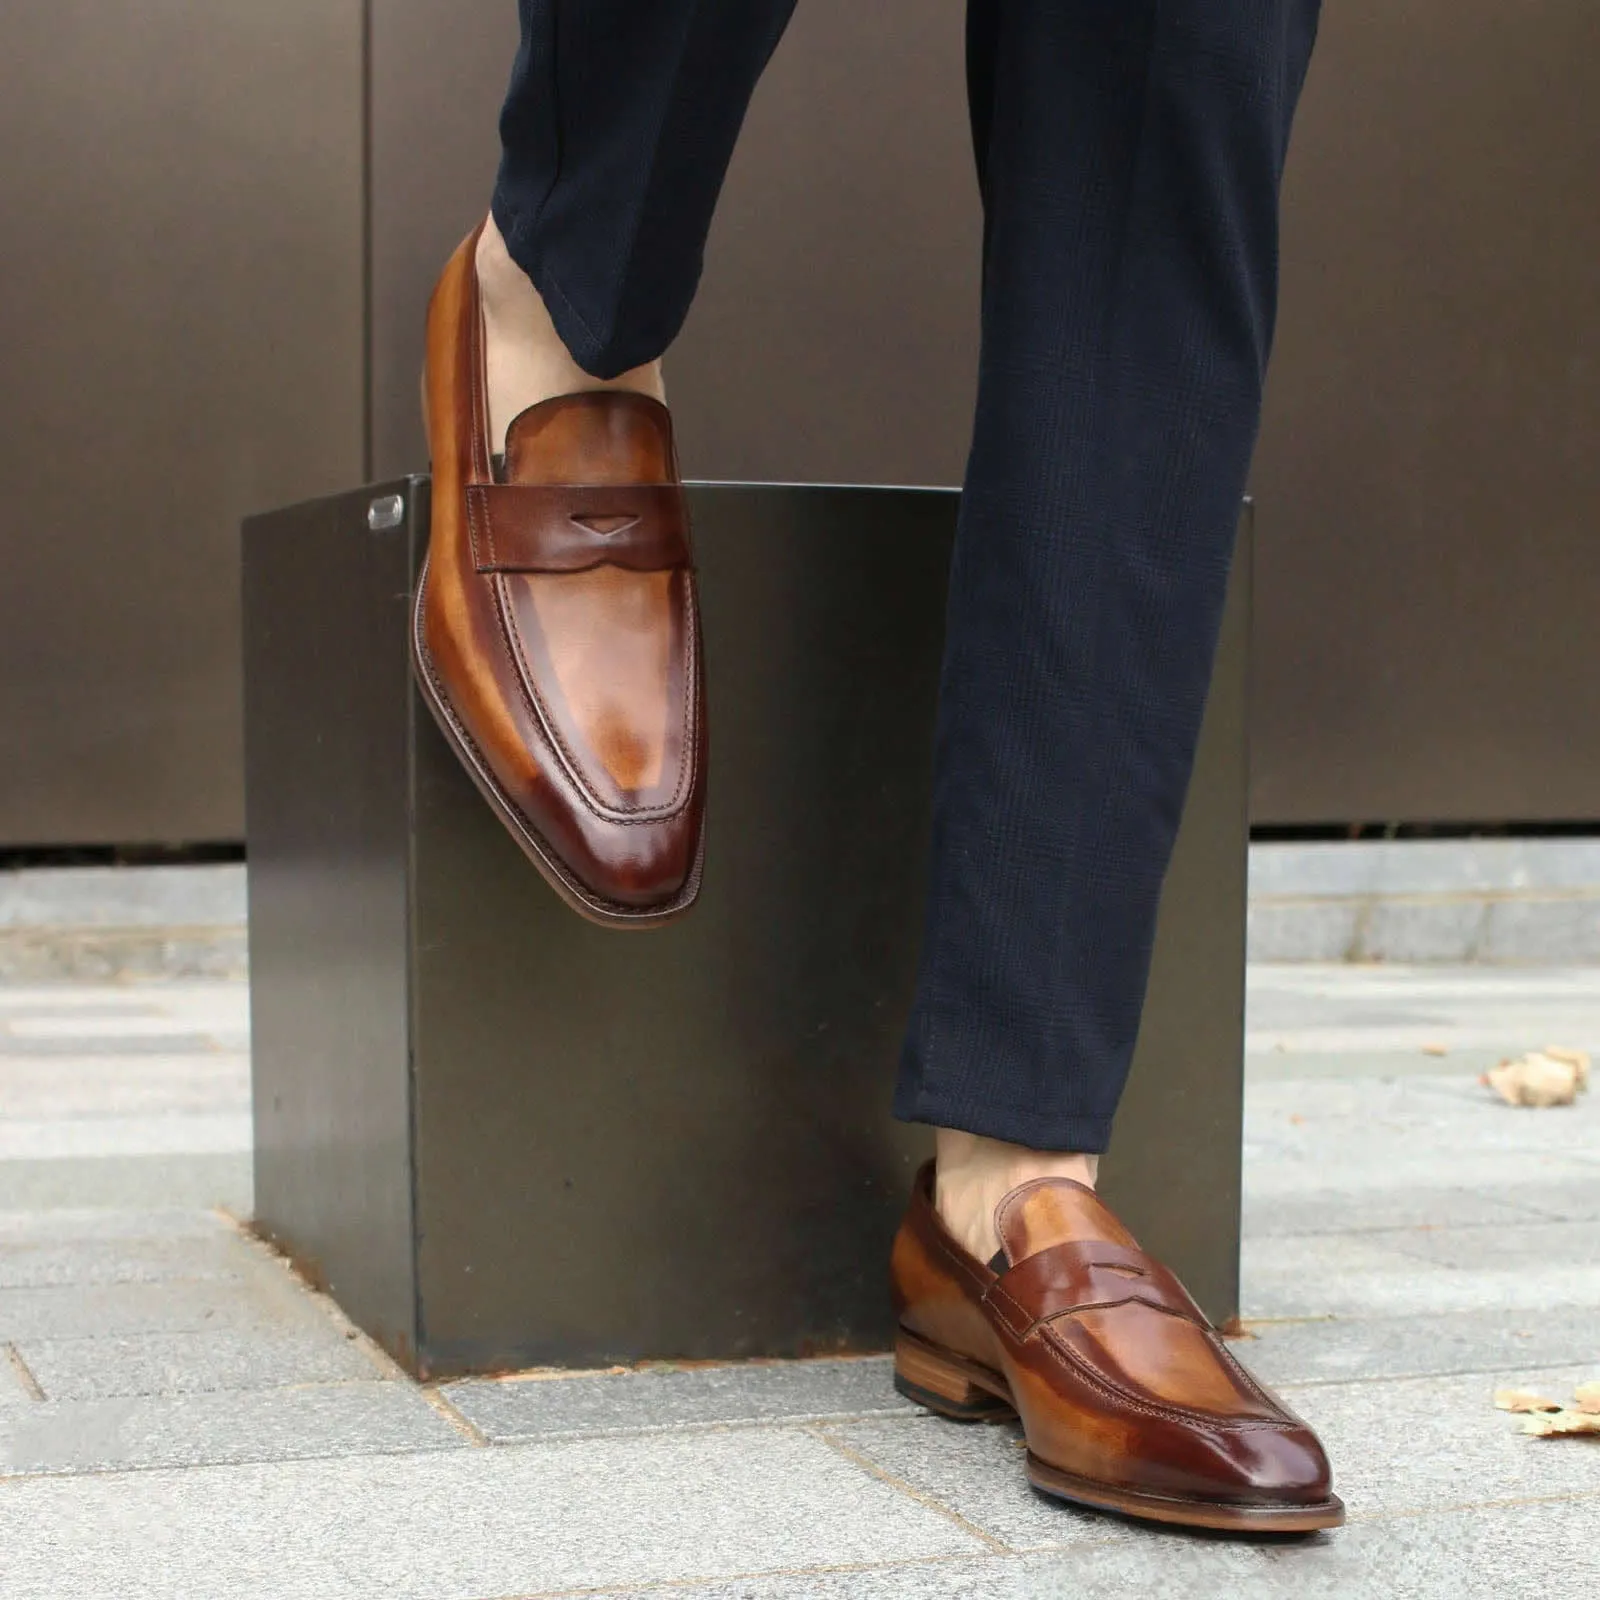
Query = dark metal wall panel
x=1429 y=476
x=180 y=322
x=182 y=319
x=438 y=75
x=835 y=335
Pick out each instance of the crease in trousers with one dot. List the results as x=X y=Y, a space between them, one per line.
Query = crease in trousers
x=1129 y=155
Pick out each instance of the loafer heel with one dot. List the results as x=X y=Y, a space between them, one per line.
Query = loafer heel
x=922 y=1373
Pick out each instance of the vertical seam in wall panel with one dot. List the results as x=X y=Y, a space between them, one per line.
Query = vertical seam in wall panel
x=366 y=242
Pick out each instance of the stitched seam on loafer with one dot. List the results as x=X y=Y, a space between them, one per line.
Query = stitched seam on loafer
x=1241 y=1371
x=1069 y=1358
x=943 y=1246
x=994 y=1295
x=524 y=822
x=626 y=816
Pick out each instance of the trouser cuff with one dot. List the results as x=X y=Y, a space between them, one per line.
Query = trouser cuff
x=1075 y=1134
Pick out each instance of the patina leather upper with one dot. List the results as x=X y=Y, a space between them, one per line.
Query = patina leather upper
x=557 y=623
x=1117 y=1376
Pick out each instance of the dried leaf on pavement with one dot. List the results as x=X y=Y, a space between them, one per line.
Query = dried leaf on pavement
x=1579 y=1059
x=1546 y=1424
x=1549 y=1077
x=1523 y=1400
x=1547 y=1419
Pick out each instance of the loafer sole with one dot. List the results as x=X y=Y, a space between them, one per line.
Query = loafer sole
x=963 y=1390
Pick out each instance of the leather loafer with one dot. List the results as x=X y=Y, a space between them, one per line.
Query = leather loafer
x=1128 y=1397
x=556 y=636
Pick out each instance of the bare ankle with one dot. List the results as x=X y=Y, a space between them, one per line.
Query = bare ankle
x=972 y=1174
x=525 y=357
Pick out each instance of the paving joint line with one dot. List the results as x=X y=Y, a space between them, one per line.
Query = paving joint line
x=331 y=1311
x=803 y=1422
x=464 y=1425
x=25 y=1377
x=1372 y=1231
x=1428 y=1377
x=221 y=1463
x=676 y=1585
x=924 y=1499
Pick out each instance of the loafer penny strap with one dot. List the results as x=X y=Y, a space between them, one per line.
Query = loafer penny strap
x=536 y=527
x=1080 y=1275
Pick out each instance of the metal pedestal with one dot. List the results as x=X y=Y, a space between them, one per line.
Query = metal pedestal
x=503 y=1137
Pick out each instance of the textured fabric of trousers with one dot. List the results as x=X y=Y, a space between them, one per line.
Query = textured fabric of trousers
x=1129 y=157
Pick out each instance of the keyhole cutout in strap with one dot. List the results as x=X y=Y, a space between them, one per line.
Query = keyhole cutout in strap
x=604 y=526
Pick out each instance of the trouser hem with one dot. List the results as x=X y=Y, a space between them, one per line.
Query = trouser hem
x=1077 y=1135
x=600 y=358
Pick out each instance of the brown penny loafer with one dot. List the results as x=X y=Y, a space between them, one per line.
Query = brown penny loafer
x=556 y=637
x=1129 y=1399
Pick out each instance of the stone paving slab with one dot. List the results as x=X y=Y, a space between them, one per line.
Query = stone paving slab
x=1429 y=930
x=978 y=1470
x=84 y=1223
x=173 y=1306
x=59 y=1263
x=121 y=955
x=1356 y=1275
x=1573 y=1245
x=1274 y=1172
x=99 y=1367
x=1539 y=1551
x=41 y=897
x=69 y=1085
x=99 y=1001
x=1539 y=930
x=1423 y=866
x=108 y=1435
x=1454 y=1113
x=15 y=1389
x=71 y=1046
x=115 y=1030
x=1356 y=1066
x=1506 y=1031
x=1389 y=1009
x=80 y=1138
x=1382 y=1184
x=269 y=1302
x=990 y=1578
x=201 y=1181
x=1397 y=1445
x=628 y=1402
x=1325 y=1210
x=1343 y=1350
x=1569 y=1200
x=464 y=1524
x=1430 y=1443
x=210 y=999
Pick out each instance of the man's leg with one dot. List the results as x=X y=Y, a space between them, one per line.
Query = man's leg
x=1129 y=153
x=563 y=664
x=617 y=130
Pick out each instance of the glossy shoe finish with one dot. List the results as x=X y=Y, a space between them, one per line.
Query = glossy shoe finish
x=556 y=636
x=1128 y=1397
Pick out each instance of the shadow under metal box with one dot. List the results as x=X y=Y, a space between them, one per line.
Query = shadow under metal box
x=503 y=1137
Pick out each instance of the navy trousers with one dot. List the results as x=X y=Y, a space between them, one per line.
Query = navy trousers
x=1129 y=156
